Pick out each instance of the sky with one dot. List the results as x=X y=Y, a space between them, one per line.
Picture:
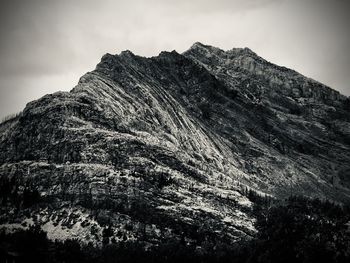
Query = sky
x=47 y=45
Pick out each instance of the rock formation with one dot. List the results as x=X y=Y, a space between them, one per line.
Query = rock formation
x=166 y=147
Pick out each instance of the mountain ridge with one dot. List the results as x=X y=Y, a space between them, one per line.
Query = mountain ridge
x=169 y=144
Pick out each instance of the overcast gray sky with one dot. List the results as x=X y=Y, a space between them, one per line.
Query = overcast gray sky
x=46 y=45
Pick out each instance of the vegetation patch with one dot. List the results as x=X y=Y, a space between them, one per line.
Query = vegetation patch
x=297 y=229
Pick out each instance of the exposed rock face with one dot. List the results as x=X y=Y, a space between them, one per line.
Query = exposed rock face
x=164 y=147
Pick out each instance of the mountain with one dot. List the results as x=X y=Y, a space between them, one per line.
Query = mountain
x=171 y=148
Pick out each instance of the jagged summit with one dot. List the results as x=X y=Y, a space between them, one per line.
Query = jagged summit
x=167 y=54
x=199 y=45
x=127 y=53
x=203 y=49
x=166 y=147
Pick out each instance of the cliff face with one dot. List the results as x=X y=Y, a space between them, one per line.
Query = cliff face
x=164 y=147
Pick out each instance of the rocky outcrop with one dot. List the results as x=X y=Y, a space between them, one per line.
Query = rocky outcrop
x=165 y=147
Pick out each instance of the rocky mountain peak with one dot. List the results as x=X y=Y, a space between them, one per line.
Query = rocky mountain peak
x=166 y=54
x=199 y=45
x=126 y=53
x=203 y=50
x=169 y=147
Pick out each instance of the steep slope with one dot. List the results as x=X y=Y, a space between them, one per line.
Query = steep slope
x=163 y=148
x=297 y=120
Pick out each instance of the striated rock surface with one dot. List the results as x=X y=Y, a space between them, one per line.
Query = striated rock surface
x=165 y=147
